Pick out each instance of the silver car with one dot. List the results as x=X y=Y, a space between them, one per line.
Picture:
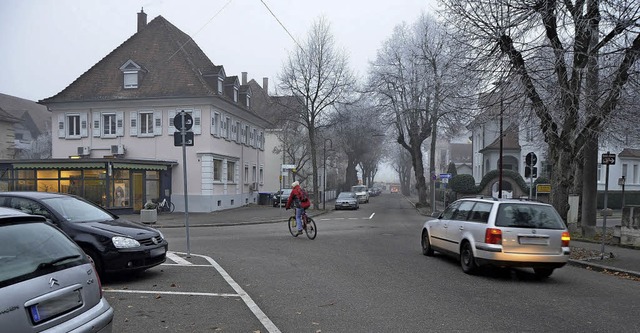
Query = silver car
x=347 y=200
x=47 y=283
x=504 y=233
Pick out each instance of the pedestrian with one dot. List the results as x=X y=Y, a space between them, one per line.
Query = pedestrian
x=300 y=201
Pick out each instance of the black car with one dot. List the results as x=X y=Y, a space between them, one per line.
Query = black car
x=280 y=198
x=114 y=244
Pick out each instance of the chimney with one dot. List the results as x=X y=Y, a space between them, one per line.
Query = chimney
x=142 y=20
x=265 y=84
x=244 y=78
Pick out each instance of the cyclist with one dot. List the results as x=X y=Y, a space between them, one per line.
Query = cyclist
x=300 y=201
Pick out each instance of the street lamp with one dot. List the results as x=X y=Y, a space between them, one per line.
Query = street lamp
x=324 y=170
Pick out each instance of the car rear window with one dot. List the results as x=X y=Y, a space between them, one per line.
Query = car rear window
x=522 y=215
x=28 y=247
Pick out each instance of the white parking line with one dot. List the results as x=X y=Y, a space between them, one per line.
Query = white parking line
x=177 y=259
x=266 y=322
x=262 y=317
x=370 y=217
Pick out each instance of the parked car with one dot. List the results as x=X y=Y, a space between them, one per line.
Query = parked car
x=114 y=244
x=361 y=192
x=47 y=283
x=504 y=233
x=347 y=200
x=374 y=192
x=280 y=198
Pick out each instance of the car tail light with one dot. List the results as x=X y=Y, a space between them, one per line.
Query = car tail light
x=565 y=239
x=493 y=236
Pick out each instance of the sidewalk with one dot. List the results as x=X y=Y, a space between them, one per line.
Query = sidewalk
x=623 y=261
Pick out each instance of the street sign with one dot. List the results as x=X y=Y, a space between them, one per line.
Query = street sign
x=531 y=159
x=288 y=166
x=188 y=139
x=445 y=175
x=543 y=188
x=188 y=121
x=608 y=158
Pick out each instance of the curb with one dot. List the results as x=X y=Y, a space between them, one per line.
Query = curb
x=602 y=268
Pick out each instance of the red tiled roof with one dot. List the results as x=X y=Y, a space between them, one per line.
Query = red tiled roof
x=172 y=66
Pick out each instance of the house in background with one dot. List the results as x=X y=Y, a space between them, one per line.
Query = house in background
x=31 y=126
x=113 y=128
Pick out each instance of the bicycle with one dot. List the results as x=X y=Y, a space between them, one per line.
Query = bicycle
x=308 y=225
x=165 y=206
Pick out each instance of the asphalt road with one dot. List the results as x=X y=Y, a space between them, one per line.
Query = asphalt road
x=363 y=273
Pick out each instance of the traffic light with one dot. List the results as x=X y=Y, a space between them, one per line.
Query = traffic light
x=528 y=174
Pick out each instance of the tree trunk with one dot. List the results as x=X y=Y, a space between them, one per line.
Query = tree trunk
x=590 y=188
x=562 y=179
x=418 y=168
x=432 y=168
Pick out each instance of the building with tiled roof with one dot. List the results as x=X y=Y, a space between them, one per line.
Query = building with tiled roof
x=123 y=109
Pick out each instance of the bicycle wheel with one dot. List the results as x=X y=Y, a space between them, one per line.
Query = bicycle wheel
x=311 y=229
x=293 y=228
x=171 y=207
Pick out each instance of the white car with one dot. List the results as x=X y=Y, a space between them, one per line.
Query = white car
x=503 y=233
x=362 y=193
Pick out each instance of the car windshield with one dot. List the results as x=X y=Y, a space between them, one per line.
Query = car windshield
x=28 y=247
x=75 y=210
x=528 y=216
x=346 y=195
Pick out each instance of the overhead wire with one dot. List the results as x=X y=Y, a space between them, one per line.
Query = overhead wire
x=281 y=24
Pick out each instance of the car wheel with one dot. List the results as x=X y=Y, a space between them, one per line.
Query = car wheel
x=97 y=262
x=427 y=250
x=543 y=273
x=467 y=260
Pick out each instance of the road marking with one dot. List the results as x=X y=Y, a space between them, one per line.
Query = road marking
x=177 y=259
x=185 y=265
x=168 y=293
x=370 y=217
x=262 y=317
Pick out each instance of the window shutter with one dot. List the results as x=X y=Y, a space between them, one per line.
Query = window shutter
x=119 y=123
x=172 y=114
x=61 y=129
x=214 y=129
x=133 y=123
x=83 y=125
x=197 y=122
x=95 y=118
x=157 y=122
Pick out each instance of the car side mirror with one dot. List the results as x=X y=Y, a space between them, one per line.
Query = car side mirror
x=436 y=214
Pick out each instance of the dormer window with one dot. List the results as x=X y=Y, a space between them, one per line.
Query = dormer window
x=220 y=86
x=235 y=94
x=130 y=71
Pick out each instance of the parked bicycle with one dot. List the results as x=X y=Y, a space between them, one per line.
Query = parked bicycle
x=165 y=206
x=308 y=225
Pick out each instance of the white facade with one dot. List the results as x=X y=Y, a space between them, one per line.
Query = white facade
x=225 y=166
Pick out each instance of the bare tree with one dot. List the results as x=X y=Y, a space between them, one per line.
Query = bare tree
x=538 y=40
x=417 y=76
x=317 y=73
x=40 y=148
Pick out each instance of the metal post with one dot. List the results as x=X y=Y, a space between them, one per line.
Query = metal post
x=324 y=170
x=183 y=133
x=605 y=211
x=500 y=164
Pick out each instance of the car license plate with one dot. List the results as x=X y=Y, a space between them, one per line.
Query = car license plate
x=55 y=306
x=533 y=240
x=157 y=252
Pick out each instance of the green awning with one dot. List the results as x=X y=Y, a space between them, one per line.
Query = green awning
x=85 y=165
x=137 y=166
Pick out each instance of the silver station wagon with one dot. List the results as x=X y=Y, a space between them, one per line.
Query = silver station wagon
x=503 y=233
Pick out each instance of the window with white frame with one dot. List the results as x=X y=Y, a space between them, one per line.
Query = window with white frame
x=245 y=139
x=252 y=137
x=261 y=174
x=599 y=172
x=237 y=135
x=220 y=86
x=246 y=174
x=217 y=170
x=73 y=125
x=635 y=179
x=130 y=72
x=235 y=94
x=146 y=123
x=108 y=124
x=227 y=121
x=215 y=124
x=253 y=174
x=231 y=172
x=624 y=170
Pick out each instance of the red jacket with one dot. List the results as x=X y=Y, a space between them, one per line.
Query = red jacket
x=294 y=198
